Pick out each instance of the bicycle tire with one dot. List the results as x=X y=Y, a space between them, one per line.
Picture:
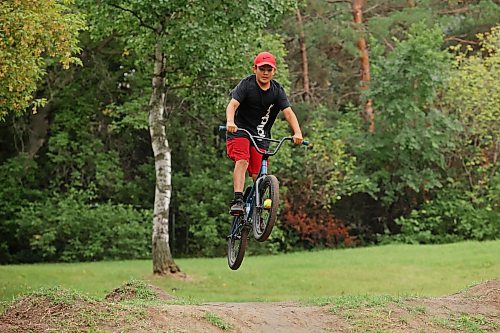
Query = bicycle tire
x=264 y=219
x=236 y=244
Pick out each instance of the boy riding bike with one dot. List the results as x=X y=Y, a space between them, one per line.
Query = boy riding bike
x=255 y=103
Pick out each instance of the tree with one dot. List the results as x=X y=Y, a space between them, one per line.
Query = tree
x=408 y=151
x=324 y=34
x=473 y=97
x=303 y=54
x=357 y=12
x=467 y=207
x=30 y=31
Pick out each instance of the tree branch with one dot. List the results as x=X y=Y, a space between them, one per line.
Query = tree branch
x=371 y=8
x=454 y=11
x=141 y=22
x=453 y=38
x=389 y=45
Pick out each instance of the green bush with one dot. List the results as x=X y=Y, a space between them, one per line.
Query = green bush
x=19 y=188
x=68 y=229
x=450 y=217
x=19 y=182
x=202 y=219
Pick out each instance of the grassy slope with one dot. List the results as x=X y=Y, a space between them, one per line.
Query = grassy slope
x=392 y=270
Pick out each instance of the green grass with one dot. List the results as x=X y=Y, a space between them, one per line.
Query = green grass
x=420 y=270
x=215 y=320
x=466 y=323
x=352 y=302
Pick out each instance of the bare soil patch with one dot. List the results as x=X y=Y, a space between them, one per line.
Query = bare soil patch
x=149 y=309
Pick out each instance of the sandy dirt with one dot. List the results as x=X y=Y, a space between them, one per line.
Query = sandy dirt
x=476 y=309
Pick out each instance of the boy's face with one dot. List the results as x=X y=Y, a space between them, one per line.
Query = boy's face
x=264 y=73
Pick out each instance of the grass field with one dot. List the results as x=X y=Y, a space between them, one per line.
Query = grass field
x=398 y=270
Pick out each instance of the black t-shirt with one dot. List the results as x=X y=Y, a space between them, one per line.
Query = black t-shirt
x=258 y=109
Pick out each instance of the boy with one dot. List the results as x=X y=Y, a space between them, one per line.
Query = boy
x=255 y=103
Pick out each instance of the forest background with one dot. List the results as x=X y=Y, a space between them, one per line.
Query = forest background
x=77 y=168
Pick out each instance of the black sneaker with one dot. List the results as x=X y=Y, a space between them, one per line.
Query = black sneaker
x=237 y=208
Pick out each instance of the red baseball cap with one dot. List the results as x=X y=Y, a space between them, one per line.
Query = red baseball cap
x=265 y=58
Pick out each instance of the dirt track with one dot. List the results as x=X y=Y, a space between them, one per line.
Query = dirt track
x=474 y=310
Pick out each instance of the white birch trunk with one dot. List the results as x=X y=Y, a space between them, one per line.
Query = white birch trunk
x=163 y=263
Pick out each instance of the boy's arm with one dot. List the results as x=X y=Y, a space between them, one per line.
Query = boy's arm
x=230 y=112
x=291 y=118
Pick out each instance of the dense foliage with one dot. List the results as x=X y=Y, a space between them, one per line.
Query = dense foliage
x=467 y=207
x=77 y=178
x=28 y=31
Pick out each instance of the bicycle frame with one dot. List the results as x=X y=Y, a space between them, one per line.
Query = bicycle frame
x=249 y=204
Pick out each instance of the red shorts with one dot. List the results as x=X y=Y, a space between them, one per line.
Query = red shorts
x=241 y=149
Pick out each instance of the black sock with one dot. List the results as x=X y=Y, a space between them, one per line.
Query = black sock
x=238 y=196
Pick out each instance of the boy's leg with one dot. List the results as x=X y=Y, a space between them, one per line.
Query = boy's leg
x=238 y=149
x=239 y=173
x=254 y=163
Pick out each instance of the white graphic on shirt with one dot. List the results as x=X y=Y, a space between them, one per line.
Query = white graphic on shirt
x=263 y=122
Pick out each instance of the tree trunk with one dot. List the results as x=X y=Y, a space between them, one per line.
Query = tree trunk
x=163 y=263
x=303 y=52
x=38 y=130
x=357 y=12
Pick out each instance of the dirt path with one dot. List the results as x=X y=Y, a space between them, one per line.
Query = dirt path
x=256 y=317
x=474 y=310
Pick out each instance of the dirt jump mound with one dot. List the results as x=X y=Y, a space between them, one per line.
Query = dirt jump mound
x=139 y=307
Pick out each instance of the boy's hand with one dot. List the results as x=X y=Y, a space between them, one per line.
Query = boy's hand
x=297 y=138
x=231 y=127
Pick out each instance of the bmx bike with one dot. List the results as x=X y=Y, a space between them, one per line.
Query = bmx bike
x=261 y=201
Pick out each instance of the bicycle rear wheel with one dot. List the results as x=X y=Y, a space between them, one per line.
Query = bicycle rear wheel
x=237 y=243
x=266 y=211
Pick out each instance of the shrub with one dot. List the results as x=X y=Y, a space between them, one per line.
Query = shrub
x=67 y=229
x=318 y=229
x=450 y=217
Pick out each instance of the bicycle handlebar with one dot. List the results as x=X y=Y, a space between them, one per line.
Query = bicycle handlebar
x=252 y=139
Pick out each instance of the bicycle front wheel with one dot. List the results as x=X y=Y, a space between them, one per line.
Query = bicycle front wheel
x=266 y=210
x=236 y=243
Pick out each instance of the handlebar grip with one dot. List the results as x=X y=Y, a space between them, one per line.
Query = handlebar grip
x=305 y=143
x=222 y=128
